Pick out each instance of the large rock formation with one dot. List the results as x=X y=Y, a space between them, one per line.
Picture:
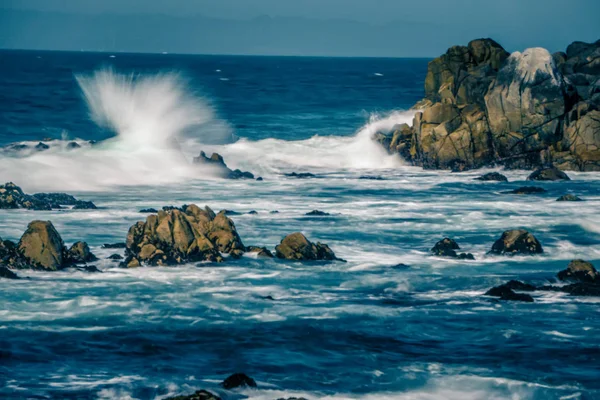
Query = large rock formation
x=181 y=235
x=484 y=107
x=41 y=247
x=12 y=196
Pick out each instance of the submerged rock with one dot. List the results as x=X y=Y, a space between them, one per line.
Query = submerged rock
x=120 y=245
x=517 y=241
x=7 y=273
x=528 y=190
x=569 y=197
x=148 y=211
x=447 y=248
x=238 y=380
x=548 y=174
x=317 y=213
x=580 y=271
x=507 y=291
x=297 y=247
x=41 y=146
x=216 y=161
x=492 y=176
x=301 y=175
x=178 y=236
x=259 y=251
x=371 y=177
x=198 y=395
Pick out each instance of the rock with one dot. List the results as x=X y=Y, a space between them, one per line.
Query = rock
x=217 y=162
x=84 y=205
x=7 y=273
x=527 y=190
x=198 y=395
x=11 y=257
x=87 y=268
x=582 y=289
x=12 y=197
x=260 y=179
x=55 y=200
x=492 y=176
x=253 y=212
x=317 y=213
x=371 y=177
x=120 y=245
x=114 y=257
x=447 y=248
x=80 y=253
x=42 y=246
x=301 y=175
x=178 y=236
x=259 y=251
x=148 y=211
x=517 y=241
x=230 y=212
x=41 y=146
x=581 y=271
x=569 y=197
x=297 y=247
x=548 y=174
x=274 y=212
x=238 y=380
x=73 y=145
x=506 y=292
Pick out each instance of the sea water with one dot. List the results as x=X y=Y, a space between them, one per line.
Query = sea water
x=393 y=322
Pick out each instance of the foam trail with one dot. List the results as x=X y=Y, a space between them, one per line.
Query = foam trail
x=359 y=151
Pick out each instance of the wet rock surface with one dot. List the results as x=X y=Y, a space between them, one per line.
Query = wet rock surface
x=548 y=174
x=517 y=241
x=569 y=197
x=217 y=162
x=492 y=176
x=13 y=197
x=447 y=248
x=297 y=247
x=527 y=190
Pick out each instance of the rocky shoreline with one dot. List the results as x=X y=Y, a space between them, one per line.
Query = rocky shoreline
x=486 y=107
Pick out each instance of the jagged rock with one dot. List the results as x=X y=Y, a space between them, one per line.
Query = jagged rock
x=198 y=395
x=317 y=213
x=259 y=251
x=80 y=253
x=297 y=247
x=580 y=270
x=517 y=241
x=238 y=380
x=148 y=211
x=447 y=248
x=178 y=236
x=73 y=145
x=527 y=190
x=11 y=197
x=41 y=146
x=492 y=176
x=7 y=273
x=548 y=174
x=42 y=246
x=218 y=163
x=569 y=197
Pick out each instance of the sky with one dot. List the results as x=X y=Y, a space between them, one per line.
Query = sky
x=389 y=28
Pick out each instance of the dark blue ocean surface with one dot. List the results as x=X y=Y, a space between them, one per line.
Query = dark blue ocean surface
x=393 y=322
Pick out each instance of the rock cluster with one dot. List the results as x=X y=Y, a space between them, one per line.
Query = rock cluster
x=484 y=107
x=12 y=197
x=447 y=248
x=41 y=247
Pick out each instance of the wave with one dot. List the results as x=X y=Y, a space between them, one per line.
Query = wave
x=159 y=127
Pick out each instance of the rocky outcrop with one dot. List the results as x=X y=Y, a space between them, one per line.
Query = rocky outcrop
x=41 y=247
x=569 y=197
x=447 y=248
x=484 y=107
x=182 y=235
x=548 y=174
x=507 y=291
x=12 y=197
x=217 y=162
x=517 y=241
x=297 y=247
x=6 y=273
x=238 y=380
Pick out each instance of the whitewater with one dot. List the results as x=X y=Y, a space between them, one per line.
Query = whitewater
x=393 y=322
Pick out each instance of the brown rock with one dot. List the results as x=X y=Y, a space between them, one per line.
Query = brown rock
x=580 y=270
x=517 y=241
x=42 y=246
x=297 y=247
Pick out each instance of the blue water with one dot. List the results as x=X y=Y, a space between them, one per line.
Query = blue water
x=361 y=329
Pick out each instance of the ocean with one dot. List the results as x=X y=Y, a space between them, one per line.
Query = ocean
x=393 y=322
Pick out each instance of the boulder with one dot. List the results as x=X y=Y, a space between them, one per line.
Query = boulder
x=181 y=235
x=42 y=247
x=317 y=213
x=238 y=380
x=506 y=292
x=297 y=247
x=517 y=241
x=580 y=271
x=492 y=176
x=80 y=253
x=569 y=197
x=447 y=248
x=548 y=174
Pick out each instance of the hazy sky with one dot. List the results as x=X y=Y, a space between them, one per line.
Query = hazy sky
x=304 y=27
